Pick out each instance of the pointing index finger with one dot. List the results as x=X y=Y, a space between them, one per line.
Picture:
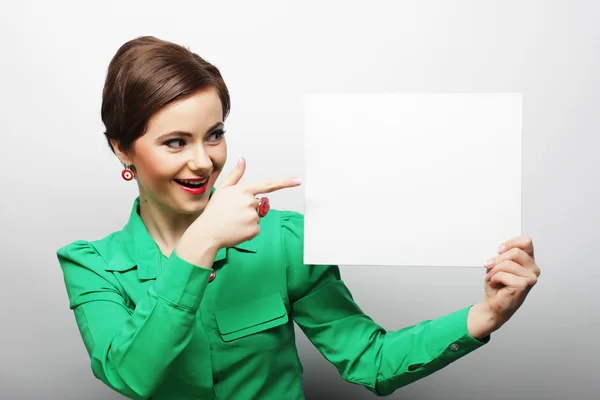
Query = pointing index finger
x=272 y=185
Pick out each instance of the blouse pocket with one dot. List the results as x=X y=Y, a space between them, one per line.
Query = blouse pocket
x=251 y=317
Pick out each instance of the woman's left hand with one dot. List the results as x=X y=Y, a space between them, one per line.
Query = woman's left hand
x=511 y=275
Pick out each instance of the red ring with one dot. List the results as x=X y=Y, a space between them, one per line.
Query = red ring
x=263 y=206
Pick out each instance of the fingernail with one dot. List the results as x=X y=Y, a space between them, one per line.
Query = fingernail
x=297 y=181
x=489 y=263
x=501 y=248
x=240 y=161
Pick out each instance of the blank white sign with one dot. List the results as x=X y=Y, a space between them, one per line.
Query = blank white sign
x=411 y=179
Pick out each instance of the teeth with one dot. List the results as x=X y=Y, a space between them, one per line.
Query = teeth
x=192 y=182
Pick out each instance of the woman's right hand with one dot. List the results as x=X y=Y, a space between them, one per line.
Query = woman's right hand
x=231 y=215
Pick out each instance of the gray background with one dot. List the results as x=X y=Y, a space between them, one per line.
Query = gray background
x=61 y=183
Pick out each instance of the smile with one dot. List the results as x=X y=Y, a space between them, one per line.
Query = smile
x=195 y=187
x=191 y=183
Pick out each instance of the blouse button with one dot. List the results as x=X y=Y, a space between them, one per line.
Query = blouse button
x=414 y=367
x=212 y=276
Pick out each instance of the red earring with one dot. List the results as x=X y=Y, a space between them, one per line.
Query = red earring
x=127 y=174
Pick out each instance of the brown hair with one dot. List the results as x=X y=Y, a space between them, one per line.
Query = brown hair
x=145 y=75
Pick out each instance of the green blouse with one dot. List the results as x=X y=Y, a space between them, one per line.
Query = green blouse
x=155 y=327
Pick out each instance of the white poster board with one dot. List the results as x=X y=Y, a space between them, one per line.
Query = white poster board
x=411 y=179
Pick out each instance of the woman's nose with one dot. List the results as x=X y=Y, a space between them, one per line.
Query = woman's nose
x=199 y=160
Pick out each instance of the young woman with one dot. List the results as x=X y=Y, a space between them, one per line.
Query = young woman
x=196 y=296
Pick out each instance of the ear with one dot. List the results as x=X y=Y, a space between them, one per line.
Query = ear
x=123 y=156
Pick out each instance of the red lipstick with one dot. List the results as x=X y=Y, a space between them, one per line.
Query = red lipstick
x=194 y=190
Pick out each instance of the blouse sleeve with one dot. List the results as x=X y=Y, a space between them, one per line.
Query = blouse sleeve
x=363 y=352
x=131 y=350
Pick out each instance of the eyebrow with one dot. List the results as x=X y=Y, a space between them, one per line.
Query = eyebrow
x=189 y=134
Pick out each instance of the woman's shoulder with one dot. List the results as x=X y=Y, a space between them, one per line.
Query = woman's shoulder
x=90 y=252
x=283 y=219
x=287 y=225
x=284 y=228
x=84 y=264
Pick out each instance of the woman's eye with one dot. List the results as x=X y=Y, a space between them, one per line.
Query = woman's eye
x=216 y=135
x=172 y=143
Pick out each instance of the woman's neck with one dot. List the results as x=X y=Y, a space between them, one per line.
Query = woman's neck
x=164 y=226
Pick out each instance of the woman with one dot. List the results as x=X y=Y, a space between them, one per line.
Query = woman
x=196 y=297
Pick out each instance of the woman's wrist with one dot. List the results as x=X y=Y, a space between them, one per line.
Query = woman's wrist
x=200 y=252
x=481 y=321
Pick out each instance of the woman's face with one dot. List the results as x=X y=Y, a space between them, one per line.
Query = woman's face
x=184 y=140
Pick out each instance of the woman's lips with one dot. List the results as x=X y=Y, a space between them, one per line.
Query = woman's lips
x=195 y=191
